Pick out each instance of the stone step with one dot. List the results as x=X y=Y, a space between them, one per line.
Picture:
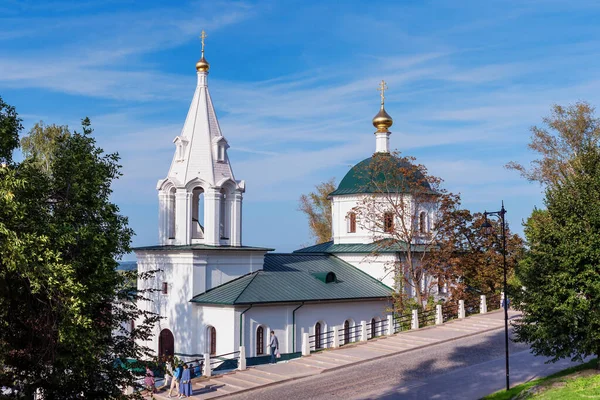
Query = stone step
x=263 y=375
x=236 y=382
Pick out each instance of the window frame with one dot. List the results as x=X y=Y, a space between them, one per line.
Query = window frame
x=165 y=288
x=352 y=222
x=213 y=341
x=260 y=341
x=388 y=222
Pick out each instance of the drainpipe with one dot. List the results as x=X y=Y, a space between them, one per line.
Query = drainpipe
x=294 y=328
x=241 y=325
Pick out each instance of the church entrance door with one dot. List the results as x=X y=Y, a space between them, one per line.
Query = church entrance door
x=166 y=343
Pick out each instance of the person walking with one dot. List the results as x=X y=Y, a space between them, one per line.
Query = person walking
x=185 y=386
x=168 y=373
x=149 y=381
x=175 y=381
x=274 y=344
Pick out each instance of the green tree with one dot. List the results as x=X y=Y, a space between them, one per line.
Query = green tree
x=64 y=307
x=567 y=132
x=10 y=126
x=560 y=293
x=41 y=141
x=317 y=207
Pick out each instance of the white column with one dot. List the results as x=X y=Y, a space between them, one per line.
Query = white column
x=305 y=344
x=207 y=369
x=439 y=315
x=212 y=200
x=415 y=320
x=390 y=324
x=336 y=337
x=482 y=305
x=163 y=217
x=382 y=142
x=461 y=309
x=183 y=216
x=242 y=359
x=236 y=220
x=363 y=331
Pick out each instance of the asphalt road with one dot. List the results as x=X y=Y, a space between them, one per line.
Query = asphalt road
x=464 y=369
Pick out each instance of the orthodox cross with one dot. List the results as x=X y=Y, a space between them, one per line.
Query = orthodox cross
x=202 y=37
x=382 y=88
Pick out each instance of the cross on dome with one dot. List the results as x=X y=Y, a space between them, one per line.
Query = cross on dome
x=382 y=88
x=202 y=65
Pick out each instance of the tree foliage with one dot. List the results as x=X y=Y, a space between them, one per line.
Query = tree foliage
x=399 y=191
x=10 y=126
x=569 y=130
x=64 y=307
x=41 y=141
x=560 y=293
x=317 y=207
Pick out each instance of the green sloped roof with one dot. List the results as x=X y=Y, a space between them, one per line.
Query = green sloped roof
x=291 y=278
x=375 y=247
x=202 y=247
x=360 y=177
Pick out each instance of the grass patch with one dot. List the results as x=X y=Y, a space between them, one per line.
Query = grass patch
x=557 y=388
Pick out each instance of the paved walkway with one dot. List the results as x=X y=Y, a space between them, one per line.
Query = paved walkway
x=329 y=360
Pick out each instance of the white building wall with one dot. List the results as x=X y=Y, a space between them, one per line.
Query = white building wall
x=189 y=273
x=379 y=267
x=279 y=318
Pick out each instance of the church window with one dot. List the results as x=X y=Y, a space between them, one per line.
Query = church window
x=131 y=325
x=388 y=222
x=373 y=328
x=221 y=153
x=165 y=288
x=213 y=340
x=260 y=341
x=346 y=332
x=318 y=341
x=423 y=222
x=352 y=222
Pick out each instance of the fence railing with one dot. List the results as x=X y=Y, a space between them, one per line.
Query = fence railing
x=350 y=334
x=427 y=317
x=402 y=322
x=377 y=328
x=494 y=302
x=321 y=341
x=472 y=305
x=449 y=310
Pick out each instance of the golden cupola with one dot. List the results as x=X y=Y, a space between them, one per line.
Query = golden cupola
x=382 y=121
x=202 y=65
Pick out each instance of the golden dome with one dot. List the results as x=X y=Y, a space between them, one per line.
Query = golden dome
x=382 y=121
x=202 y=65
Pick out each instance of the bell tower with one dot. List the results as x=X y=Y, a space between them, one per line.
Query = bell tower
x=200 y=201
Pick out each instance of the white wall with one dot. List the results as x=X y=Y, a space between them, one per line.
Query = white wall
x=189 y=273
x=279 y=318
x=379 y=267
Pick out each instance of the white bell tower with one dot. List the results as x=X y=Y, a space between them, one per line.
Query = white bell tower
x=200 y=202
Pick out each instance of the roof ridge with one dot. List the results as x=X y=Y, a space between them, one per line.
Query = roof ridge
x=248 y=284
x=363 y=272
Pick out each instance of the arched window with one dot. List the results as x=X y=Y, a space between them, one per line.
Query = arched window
x=212 y=348
x=423 y=222
x=373 y=328
x=388 y=222
x=352 y=222
x=318 y=341
x=171 y=215
x=198 y=213
x=166 y=343
x=260 y=341
x=346 y=331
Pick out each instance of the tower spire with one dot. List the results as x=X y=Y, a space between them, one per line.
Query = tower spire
x=382 y=121
x=202 y=65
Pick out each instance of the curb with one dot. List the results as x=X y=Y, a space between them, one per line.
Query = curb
x=365 y=361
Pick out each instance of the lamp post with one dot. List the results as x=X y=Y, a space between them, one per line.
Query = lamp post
x=487 y=228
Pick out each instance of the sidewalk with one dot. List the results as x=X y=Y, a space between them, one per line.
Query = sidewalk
x=329 y=360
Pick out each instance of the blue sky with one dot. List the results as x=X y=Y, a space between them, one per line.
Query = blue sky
x=294 y=85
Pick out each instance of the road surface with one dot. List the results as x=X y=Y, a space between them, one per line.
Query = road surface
x=464 y=369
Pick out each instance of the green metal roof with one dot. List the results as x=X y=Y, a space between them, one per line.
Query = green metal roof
x=360 y=178
x=375 y=247
x=294 y=278
x=202 y=247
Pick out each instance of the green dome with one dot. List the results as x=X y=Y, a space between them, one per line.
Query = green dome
x=360 y=178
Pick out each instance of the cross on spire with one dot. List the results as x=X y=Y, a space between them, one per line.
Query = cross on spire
x=203 y=36
x=382 y=88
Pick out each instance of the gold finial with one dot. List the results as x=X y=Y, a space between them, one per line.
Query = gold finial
x=382 y=88
x=202 y=65
x=382 y=121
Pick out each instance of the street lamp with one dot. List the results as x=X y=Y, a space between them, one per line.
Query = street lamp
x=488 y=229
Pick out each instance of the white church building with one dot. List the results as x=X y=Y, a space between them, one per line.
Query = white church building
x=216 y=294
